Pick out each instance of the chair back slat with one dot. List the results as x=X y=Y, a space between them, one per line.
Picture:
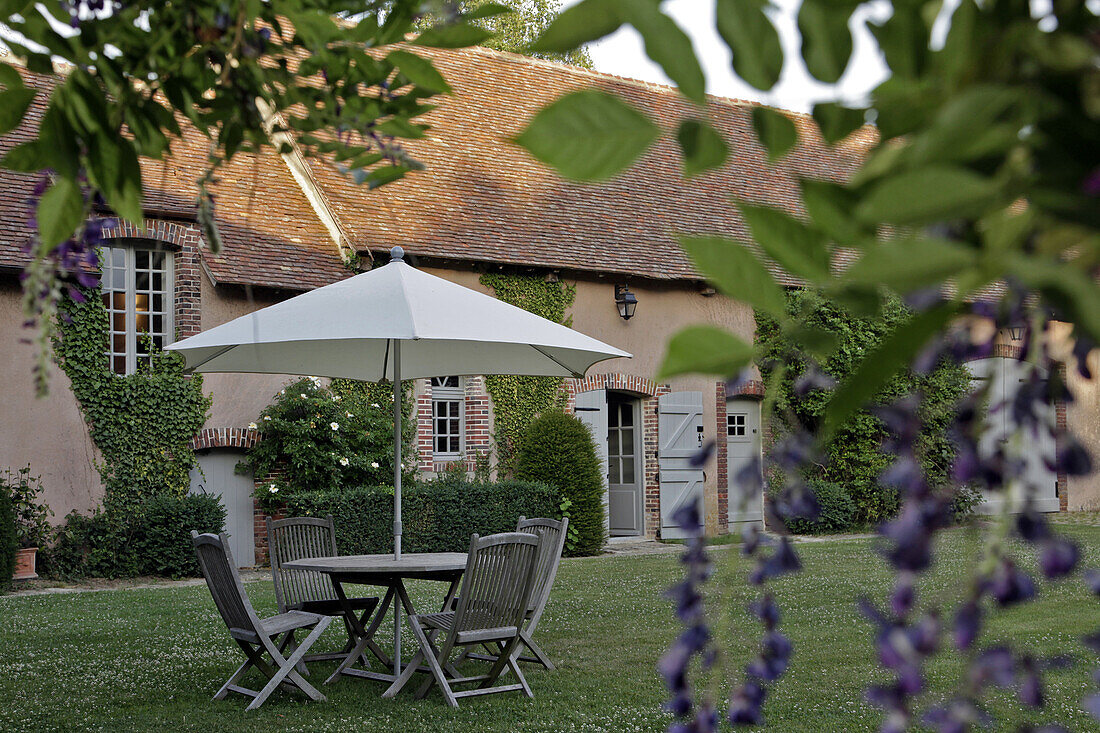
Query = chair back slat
x=497 y=585
x=293 y=539
x=216 y=562
x=554 y=534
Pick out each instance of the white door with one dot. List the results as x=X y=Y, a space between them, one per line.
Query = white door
x=624 y=468
x=680 y=436
x=591 y=408
x=1005 y=377
x=746 y=504
x=219 y=477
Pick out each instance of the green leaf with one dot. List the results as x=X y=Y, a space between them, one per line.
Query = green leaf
x=968 y=126
x=588 y=135
x=1073 y=291
x=736 y=272
x=927 y=195
x=705 y=350
x=576 y=25
x=798 y=249
x=882 y=363
x=775 y=131
x=26 y=157
x=14 y=103
x=753 y=40
x=909 y=264
x=667 y=45
x=702 y=146
x=904 y=40
x=837 y=122
x=453 y=35
x=826 y=40
x=60 y=211
x=419 y=71
x=830 y=207
x=10 y=77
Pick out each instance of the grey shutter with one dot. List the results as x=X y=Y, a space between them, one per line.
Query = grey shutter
x=679 y=427
x=591 y=409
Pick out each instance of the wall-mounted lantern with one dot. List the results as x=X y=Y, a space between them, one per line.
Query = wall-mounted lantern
x=625 y=302
x=1015 y=332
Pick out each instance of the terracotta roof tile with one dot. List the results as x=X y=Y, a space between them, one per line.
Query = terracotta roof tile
x=483 y=199
x=271 y=233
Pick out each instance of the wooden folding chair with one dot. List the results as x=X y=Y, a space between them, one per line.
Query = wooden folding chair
x=306 y=590
x=254 y=635
x=546 y=570
x=496 y=593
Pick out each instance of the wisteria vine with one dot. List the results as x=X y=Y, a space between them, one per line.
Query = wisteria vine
x=906 y=636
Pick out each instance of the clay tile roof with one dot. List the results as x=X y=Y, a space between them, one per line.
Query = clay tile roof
x=271 y=233
x=483 y=199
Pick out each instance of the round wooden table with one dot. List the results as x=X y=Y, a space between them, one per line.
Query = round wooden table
x=383 y=570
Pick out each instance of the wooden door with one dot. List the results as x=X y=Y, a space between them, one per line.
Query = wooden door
x=680 y=436
x=745 y=504
x=1005 y=376
x=624 y=468
x=219 y=477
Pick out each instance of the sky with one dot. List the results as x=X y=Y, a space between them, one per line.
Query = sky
x=622 y=54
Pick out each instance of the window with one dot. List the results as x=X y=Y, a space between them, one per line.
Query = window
x=137 y=292
x=735 y=425
x=448 y=401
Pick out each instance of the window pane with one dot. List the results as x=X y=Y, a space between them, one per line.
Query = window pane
x=454 y=427
x=454 y=445
x=440 y=445
x=614 y=474
x=118 y=343
x=141 y=259
x=118 y=365
x=441 y=427
x=627 y=436
x=628 y=414
x=628 y=470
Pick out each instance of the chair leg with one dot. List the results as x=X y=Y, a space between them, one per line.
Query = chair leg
x=519 y=676
x=433 y=663
x=287 y=666
x=406 y=675
x=503 y=660
x=289 y=642
x=536 y=650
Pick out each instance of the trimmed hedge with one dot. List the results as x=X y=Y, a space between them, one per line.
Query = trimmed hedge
x=437 y=516
x=559 y=450
x=109 y=544
x=7 y=540
x=838 y=511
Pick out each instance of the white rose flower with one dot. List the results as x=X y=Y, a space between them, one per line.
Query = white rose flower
x=282 y=391
x=348 y=414
x=344 y=461
x=302 y=395
x=336 y=398
x=274 y=489
x=252 y=426
x=374 y=464
x=334 y=425
x=375 y=404
x=267 y=418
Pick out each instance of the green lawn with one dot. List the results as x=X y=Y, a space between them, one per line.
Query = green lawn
x=150 y=658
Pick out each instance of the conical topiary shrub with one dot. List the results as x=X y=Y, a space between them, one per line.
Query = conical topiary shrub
x=558 y=449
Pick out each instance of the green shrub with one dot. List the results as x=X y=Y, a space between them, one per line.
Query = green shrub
x=32 y=523
x=436 y=516
x=7 y=540
x=558 y=449
x=321 y=438
x=838 y=511
x=112 y=544
x=854 y=455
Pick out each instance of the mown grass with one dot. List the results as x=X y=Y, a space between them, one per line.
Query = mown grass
x=149 y=659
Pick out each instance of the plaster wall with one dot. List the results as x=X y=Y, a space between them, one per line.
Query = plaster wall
x=49 y=433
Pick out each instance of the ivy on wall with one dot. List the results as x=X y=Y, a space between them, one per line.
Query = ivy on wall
x=142 y=423
x=518 y=400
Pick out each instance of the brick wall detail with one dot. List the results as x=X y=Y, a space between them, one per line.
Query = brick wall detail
x=721 y=457
x=225 y=438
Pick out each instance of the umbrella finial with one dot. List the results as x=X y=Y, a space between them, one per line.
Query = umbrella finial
x=397 y=254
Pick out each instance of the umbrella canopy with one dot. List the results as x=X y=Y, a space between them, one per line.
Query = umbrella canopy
x=349 y=329
x=394 y=323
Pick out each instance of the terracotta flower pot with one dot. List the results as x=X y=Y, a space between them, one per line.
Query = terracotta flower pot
x=24 y=564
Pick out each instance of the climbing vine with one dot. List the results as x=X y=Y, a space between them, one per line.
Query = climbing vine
x=519 y=400
x=142 y=423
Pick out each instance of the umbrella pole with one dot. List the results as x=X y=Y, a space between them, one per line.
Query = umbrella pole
x=397 y=394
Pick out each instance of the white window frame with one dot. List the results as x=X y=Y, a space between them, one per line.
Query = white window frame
x=130 y=248
x=449 y=394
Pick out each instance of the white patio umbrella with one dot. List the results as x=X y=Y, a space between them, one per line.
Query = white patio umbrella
x=395 y=323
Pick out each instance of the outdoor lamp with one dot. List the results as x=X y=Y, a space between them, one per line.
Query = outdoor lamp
x=625 y=302
x=1016 y=332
